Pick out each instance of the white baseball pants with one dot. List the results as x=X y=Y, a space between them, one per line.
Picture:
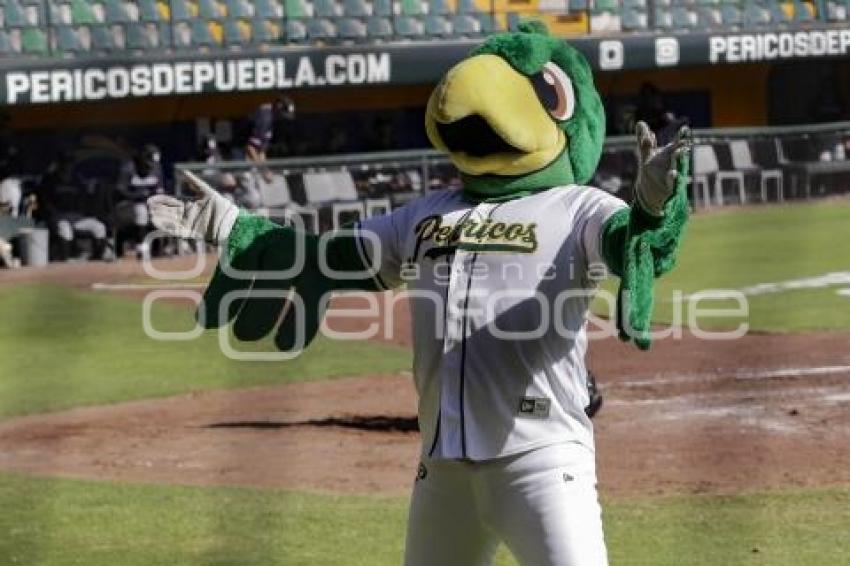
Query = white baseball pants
x=542 y=504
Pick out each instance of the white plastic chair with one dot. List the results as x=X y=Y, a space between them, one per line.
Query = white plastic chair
x=705 y=164
x=742 y=159
x=377 y=207
x=338 y=209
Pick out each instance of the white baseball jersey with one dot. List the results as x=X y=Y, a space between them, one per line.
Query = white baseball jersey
x=499 y=294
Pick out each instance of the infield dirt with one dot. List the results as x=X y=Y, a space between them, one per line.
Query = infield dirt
x=764 y=411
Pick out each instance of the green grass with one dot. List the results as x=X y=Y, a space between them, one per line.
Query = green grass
x=61 y=348
x=52 y=522
x=736 y=248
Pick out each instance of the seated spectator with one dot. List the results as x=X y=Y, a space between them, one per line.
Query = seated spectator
x=141 y=177
x=62 y=206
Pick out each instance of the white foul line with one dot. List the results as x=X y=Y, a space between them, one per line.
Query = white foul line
x=742 y=375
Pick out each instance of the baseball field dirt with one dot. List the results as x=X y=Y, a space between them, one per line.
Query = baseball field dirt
x=764 y=411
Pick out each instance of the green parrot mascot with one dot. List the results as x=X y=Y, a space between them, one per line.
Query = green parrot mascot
x=507 y=450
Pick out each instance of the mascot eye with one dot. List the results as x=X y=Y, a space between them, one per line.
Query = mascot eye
x=555 y=90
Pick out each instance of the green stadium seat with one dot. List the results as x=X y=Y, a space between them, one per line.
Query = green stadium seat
x=382 y=8
x=82 y=13
x=438 y=8
x=357 y=8
x=115 y=12
x=148 y=11
x=411 y=8
x=409 y=27
x=351 y=29
x=379 y=28
x=33 y=41
x=296 y=31
x=296 y=9
x=605 y=6
x=466 y=25
x=438 y=26
x=67 y=40
x=239 y=9
x=101 y=39
x=234 y=33
x=140 y=36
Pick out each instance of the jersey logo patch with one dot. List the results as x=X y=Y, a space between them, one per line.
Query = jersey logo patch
x=481 y=236
x=535 y=407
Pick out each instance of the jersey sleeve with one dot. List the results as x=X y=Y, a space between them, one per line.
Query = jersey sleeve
x=600 y=206
x=381 y=245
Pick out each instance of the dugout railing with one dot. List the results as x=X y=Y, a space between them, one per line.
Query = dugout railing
x=728 y=166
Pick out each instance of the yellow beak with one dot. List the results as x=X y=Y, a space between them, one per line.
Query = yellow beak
x=522 y=135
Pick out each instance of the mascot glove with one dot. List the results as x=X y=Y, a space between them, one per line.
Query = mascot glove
x=210 y=217
x=657 y=172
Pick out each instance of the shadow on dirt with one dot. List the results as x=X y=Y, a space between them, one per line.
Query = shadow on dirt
x=365 y=423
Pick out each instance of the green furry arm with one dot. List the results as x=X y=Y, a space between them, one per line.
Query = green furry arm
x=258 y=246
x=639 y=247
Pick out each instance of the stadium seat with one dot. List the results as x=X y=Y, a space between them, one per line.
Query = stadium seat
x=296 y=31
x=663 y=20
x=409 y=27
x=635 y=4
x=148 y=11
x=201 y=34
x=755 y=15
x=239 y=9
x=321 y=29
x=837 y=11
x=684 y=17
x=778 y=15
x=382 y=8
x=466 y=7
x=605 y=6
x=101 y=39
x=296 y=9
x=15 y=16
x=466 y=25
x=264 y=31
x=326 y=9
x=66 y=40
x=487 y=23
x=357 y=8
x=268 y=9
x=410 y=7
x=439 y=8
x=709 y=17
x=438 y=26
x=634 y=19
x=60 y=15
x=234 y=33
x=33 y=41
x=142 y=36
x=351 y=28
x=379 y=28
x=209 y=10
x=731 y=15
x=6 y=47
x=115 y=12
x=181 y=11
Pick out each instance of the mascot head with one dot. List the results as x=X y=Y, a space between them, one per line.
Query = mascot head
x=519 y=115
